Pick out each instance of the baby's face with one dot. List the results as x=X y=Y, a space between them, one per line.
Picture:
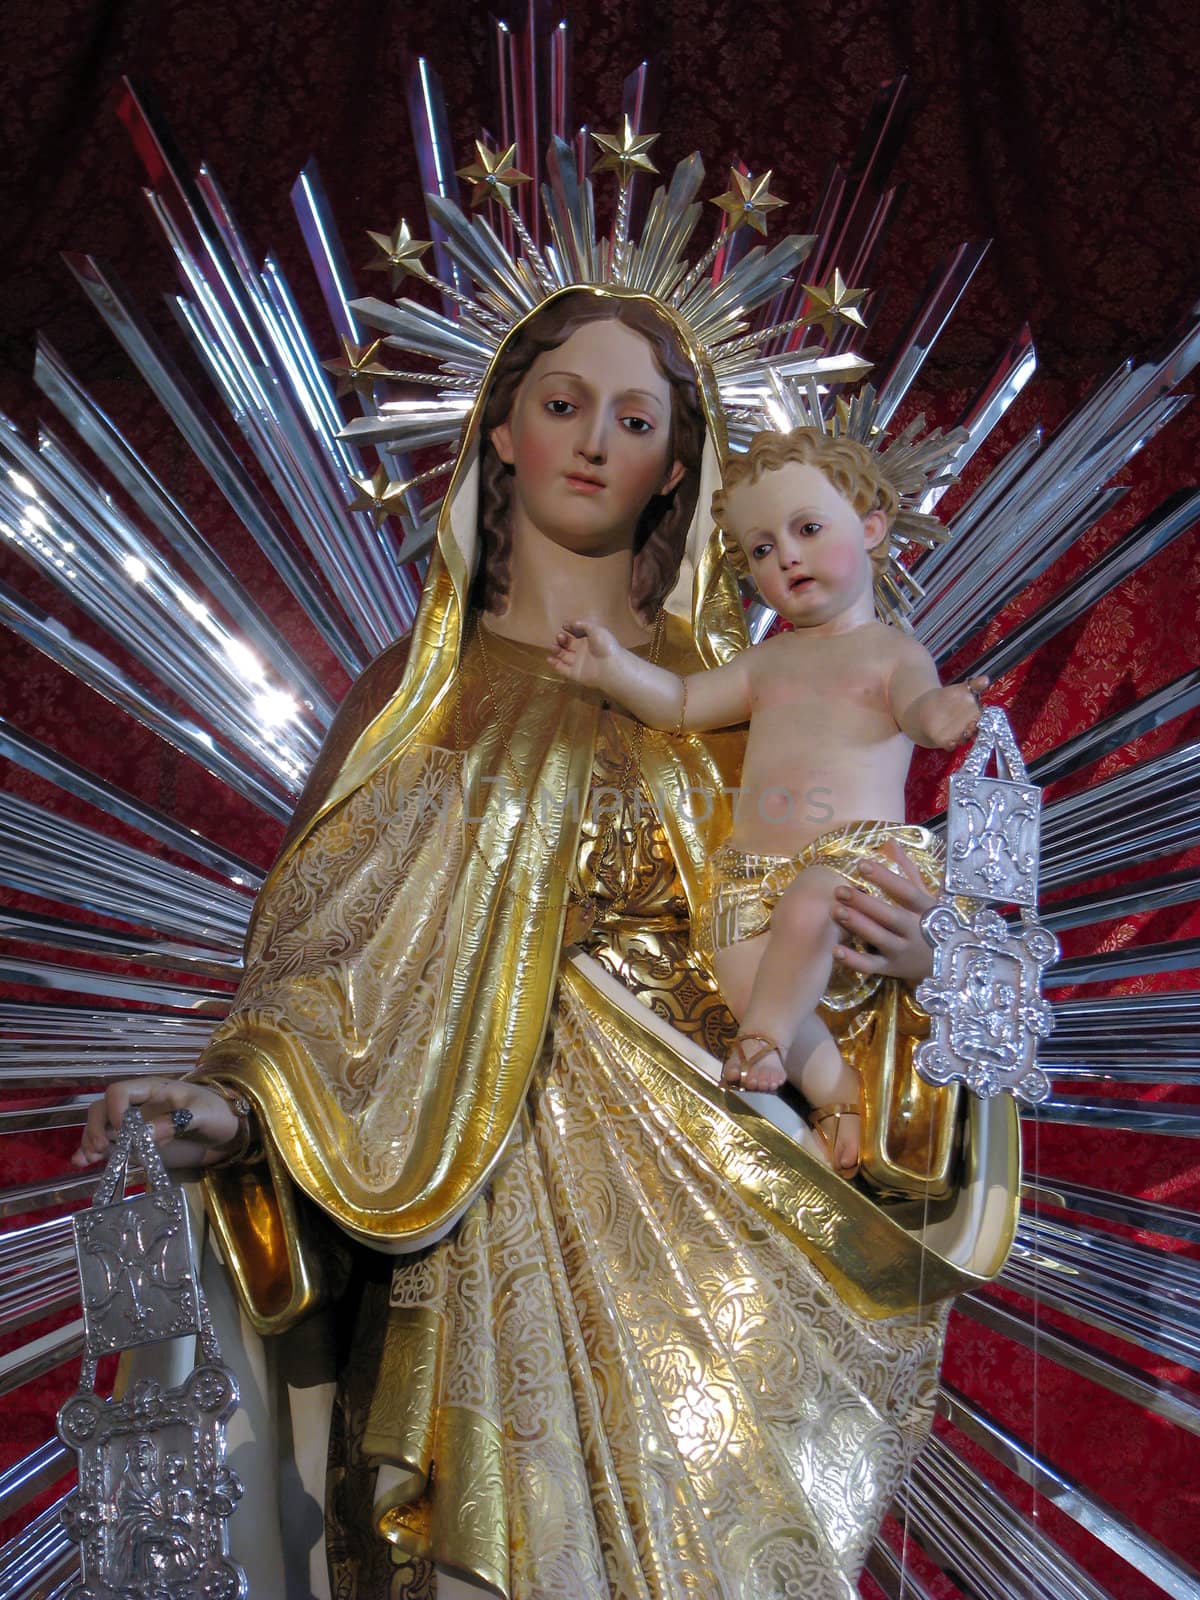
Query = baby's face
x=807 y=548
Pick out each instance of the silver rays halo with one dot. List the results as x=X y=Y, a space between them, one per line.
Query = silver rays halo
x=222 y=685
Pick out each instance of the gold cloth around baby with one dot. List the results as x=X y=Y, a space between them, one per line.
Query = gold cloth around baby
x=909 y=1134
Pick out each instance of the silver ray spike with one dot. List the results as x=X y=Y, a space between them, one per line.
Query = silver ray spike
x=1173 y=956
x=1138 y=1313
x=943 y=292
x=40 y=928
x=35 y=1071
x=968 y=1527
x=1142 y=782
x=60 y=519
x=1159 y=1396
x=35 y=757
x=1106 y=905
x=45 y=854
x=894 y=1573
x=950 y=560
x=1152 y=1216
x=410 y=327
x=51 y=637
x=328 y=259
x=435 y=157
x=226 y=471
x=1166 y=1021
x=1162 y=705
x=20 y=1199
x=567 y=201
x=1050 y=503
x=41 y=1553
x=303 y=483
x=46 y=975
x=1141 y=835
x=98 y=432
x=1014 y=370
x=1102 y=1521
x=1124 y=1263
x=1125 y=1116
x=477 y=249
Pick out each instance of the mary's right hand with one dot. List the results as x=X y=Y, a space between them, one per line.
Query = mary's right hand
x=211 y=1133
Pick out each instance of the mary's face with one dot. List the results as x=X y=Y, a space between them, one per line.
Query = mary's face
x=588 y=439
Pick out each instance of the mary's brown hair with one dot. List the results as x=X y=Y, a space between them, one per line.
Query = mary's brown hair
x=662 y=528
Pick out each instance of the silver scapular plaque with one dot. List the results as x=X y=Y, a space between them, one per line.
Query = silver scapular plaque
x=984 y=997
x=155 y=1495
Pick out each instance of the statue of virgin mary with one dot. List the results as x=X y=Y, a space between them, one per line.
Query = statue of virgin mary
x=525 y=1302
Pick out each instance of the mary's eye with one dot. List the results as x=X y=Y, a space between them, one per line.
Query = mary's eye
x=637 y=425
x=561 y=408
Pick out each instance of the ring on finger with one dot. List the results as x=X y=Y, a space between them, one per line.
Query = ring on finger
x=181 y=1121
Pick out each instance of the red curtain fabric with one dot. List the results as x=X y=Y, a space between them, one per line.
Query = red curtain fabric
x=1065 y=133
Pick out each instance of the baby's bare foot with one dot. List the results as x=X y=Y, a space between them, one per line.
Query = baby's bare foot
x=839 y=1130
x=754 y=1069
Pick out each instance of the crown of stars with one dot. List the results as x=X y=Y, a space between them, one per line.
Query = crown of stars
x=400 y=253
x=357 y=370
x=748 y=199
x=624 y=153
x=377 y=495
x=833 y=304
x=492 y=174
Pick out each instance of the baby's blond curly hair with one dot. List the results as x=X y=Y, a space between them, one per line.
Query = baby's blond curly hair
x=849 y=466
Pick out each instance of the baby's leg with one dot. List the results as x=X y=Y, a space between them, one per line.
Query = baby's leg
x=773 y=985
x=825 y=1078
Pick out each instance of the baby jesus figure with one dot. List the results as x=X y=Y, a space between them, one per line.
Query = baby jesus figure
x=834 y=706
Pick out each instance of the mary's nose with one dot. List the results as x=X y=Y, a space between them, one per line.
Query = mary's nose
x=591 y=444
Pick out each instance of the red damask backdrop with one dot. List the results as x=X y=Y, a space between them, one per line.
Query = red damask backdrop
x=1066 y=133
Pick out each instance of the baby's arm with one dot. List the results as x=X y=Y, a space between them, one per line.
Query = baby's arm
x=590 y=654
x=931 y=715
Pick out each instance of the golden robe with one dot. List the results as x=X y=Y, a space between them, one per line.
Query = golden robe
x=661 y=1350
x=639 y=1341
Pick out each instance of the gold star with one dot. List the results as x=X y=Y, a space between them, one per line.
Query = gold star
x=358 y=368
x=400 y=253
x=748 y=199
x=834 y=303
x=376 y=494
x=625 y=152
x=491 y=173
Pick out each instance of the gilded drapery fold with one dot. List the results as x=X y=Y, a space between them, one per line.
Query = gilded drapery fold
x=647 y=1387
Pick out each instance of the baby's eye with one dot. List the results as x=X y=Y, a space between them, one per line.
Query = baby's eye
x=637 y=425
x=810 y=528
x=561 y=408
x=758 y=551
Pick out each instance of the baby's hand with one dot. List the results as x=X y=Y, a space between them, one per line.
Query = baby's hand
x=951 y=714
x=584 y=649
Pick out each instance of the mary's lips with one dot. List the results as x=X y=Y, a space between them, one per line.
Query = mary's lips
x=584 y=484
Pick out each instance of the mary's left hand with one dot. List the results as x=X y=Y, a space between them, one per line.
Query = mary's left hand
x=891 y=927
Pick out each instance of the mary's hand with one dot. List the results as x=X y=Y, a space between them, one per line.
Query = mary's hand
x=193 y=1126
x=891 y=927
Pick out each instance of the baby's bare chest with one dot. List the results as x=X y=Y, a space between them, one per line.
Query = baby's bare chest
x=813 y=687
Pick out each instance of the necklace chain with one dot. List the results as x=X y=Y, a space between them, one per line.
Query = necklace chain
x=630 y=768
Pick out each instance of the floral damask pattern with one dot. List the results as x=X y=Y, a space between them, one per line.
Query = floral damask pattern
x=1061 y=131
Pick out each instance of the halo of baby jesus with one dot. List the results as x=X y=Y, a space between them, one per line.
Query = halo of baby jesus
x=834 y=706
